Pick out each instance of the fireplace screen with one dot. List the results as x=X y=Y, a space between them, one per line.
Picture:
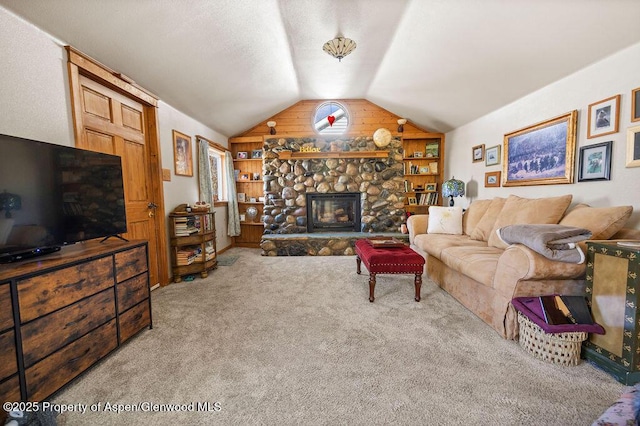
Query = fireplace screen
x=333 y=212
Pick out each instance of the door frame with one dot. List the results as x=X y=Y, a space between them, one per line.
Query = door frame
x=80 y=64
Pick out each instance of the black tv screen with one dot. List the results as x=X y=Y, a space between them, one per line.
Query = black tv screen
x=53 y=195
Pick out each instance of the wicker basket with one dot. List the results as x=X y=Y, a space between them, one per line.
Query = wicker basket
x=557 y=348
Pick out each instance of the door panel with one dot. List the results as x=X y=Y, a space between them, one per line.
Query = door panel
x=114 y=124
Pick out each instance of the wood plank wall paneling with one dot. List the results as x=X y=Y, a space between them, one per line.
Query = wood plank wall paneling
x=365 y=118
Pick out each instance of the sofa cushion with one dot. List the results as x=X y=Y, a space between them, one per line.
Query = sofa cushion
x=603 y=222
x=485 y=224
x=478 y=263
x=472 y=216
x=445 y=220
x=520 y=211
x=433 y=244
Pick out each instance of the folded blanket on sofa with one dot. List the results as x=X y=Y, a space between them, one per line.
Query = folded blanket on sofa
x=556 y=242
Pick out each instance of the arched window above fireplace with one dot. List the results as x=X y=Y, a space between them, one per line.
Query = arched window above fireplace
x=331 y=118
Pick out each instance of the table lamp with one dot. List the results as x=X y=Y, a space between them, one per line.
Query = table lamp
x=452 y=188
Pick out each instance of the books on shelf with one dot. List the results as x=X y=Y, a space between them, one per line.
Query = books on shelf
x=188 y=225
x=187 y=255
x=565 y=310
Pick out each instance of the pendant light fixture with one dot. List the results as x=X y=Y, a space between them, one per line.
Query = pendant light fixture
x=339 y=47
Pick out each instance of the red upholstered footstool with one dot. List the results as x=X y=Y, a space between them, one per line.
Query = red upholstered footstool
x=396 y=260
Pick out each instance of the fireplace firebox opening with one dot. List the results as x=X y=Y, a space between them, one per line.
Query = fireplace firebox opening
x=333 y=212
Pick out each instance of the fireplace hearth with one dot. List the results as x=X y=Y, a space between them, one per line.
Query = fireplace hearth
x=339 y=212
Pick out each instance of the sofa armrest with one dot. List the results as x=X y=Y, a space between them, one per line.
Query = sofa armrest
x=519 y=262
x=416 y=225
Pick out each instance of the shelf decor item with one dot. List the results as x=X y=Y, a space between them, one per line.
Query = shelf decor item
x=452 y=188
x=252 y=213
x=604 y=117
x=382 y=137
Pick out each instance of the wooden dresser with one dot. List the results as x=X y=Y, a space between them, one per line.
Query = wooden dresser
x=61 y=313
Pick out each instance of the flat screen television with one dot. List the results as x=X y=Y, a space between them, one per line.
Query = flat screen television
x=54 y=195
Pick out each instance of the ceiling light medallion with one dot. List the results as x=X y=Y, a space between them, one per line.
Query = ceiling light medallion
x=339 y=47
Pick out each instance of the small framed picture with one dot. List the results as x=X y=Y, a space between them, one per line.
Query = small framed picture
x=256 y=176
x=242 y=217
x=183 y=159
x=492 y=155
x=256 y=153
x=423 y=170
x=412 y=201
x=604 y=117
x=242 y=155
x=418 y=154
x=253 y=200
x=431 y=187
x=244 y=176
x=635 y=104
x=432 y=149
x=492 y=179
x=633 y=146
x=242 y=197
x=478 y=153
x=595 y=162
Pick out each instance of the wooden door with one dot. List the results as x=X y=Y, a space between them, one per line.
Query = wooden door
x=115 y=124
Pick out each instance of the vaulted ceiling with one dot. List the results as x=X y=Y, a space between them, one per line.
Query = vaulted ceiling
x=440 y=63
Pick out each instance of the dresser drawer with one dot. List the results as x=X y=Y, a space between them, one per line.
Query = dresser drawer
x=49 y=333
x=9 y=392
x=52 y=373
x=134 y=320
x=48 y=292
x=6 y=312
x=130 y=263
x=132 y=292
x=8 y=362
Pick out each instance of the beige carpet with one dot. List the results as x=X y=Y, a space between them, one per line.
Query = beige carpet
x=294 y=340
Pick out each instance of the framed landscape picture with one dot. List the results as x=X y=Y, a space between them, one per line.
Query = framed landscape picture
x=492 y=155
x=595 y=162
x=604 y=117
x=478 y=153
x=492 y=179
x=541 y=154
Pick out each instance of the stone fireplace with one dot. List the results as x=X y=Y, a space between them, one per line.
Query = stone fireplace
x=333 y=212
x=296 y=167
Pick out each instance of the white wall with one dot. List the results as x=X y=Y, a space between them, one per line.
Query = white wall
x=617 y=74
x=35 y=103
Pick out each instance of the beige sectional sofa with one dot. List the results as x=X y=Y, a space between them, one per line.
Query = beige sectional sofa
x=485 y=274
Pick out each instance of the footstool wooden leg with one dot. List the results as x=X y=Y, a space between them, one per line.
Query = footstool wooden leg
x=418 y=284
x=358 y=261
x=372 y=286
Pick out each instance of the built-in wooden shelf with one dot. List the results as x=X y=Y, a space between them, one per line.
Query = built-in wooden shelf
x=287 y=155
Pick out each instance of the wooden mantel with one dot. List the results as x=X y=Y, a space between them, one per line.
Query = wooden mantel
x=287 y=155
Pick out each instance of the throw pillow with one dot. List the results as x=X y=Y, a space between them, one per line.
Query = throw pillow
x=603 y=222
x=445 y=220
x=474 y=213
x=485 y=225
x=519 y=211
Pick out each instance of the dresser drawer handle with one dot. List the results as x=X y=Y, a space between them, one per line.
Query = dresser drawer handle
x=79 y=282
x=86 y=351
x=69 y=324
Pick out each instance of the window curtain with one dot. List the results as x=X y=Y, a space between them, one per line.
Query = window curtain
x=204 y=172
x=233 y=222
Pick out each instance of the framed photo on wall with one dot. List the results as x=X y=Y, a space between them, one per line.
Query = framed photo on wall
x=635 y=104
x=182 y=156
x=595 y=162
x=633 y=146
x=541 y=154
x=492 y=179
x=478 y=153
x=492 y=155
x=604 y=117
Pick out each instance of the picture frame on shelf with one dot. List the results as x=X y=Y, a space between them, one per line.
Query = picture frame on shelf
x=243 y=217
x=432 y=150
x=256 y=154
x=595 y=162
x=412 y=201
x=431 y=187
x=541 y=154
x=242 y=155
x=633 y=146
x=418 y=154
x=244 y=176
x=492 y=156
x=182 y=156
x=423 y=170
x=604 y=117
x=492 y=179
x=635 y=104
x=477 y=153
x=256 y=176
x=253 y=200
x=242 y=197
